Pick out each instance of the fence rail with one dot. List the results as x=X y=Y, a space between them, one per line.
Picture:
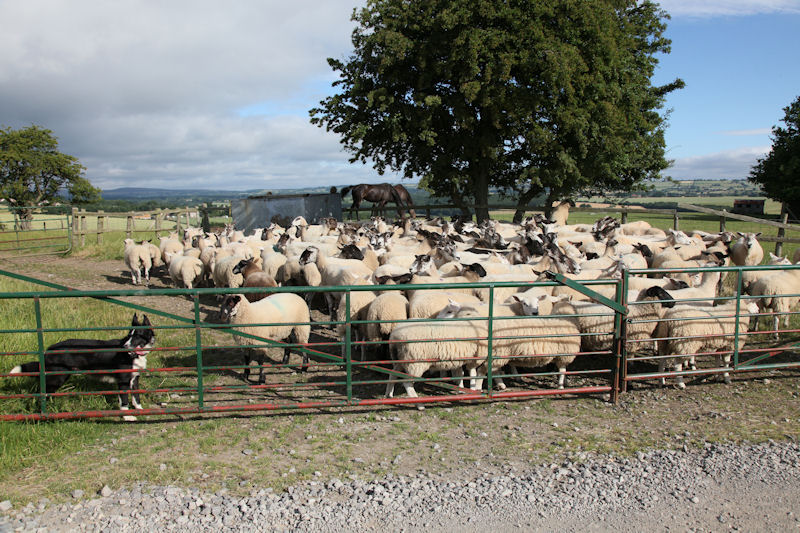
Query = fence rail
x=157 y=222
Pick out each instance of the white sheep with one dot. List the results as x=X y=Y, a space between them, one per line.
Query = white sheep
x=137 y=259
x=596 y=321
x=778 y=293
x=288 y=316
x=359 y=302
x=223 y=275
x=534 y=341
x=455 y=347
x=688 y=330
x=746 y=251
x=391 y=309
x=169 y=245
x=185 y=269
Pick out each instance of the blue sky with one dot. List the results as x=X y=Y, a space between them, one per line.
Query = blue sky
x=740 y=72
x=209 y=95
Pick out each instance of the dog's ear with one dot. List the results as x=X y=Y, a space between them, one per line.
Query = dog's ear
x=145 y=320
x=135 y=321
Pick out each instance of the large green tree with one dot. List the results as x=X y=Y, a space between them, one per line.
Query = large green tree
x=778 y=172
x=521 y=96
x=33 y=171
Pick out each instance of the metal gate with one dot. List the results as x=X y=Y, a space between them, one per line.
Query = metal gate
x=718 y=337
x=45 y=233
x=198 y=365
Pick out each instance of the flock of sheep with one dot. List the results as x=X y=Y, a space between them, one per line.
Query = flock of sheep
x=532 y=326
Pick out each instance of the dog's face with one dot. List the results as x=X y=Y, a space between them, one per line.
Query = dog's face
x=141 y=338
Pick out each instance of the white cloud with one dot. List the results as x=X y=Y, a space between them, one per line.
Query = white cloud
x=720 y=165
x=712 y=8
x=152 y=93
x=746 y=133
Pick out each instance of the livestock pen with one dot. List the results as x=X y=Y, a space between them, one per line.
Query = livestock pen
x=196 y=368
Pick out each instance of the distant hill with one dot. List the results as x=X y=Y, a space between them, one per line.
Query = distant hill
x=143 y=193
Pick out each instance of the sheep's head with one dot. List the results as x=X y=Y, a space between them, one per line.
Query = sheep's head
x=477 y=268
x=230 y=305
x=450 y=311
x=351 y=251
x=309 y=255
x=241 y=265
x=422 y=263
x=657 y=294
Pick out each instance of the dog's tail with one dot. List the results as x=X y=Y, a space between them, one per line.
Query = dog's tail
x=33 y=366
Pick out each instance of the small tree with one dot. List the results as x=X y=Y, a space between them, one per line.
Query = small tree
x=32 y=171
x=778 y=172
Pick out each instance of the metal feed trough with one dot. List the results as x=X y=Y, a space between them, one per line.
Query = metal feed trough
x=258 y=211
x=197 y=368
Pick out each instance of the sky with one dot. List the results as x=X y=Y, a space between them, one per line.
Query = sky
x=205 y=94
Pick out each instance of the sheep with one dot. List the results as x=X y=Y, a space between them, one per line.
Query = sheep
x=223 y=274
x=271 y=261
x=137 y=258
x=703 y=294
x=687 y=330
x=288 y=316
x=596 y=321
x=751 y=276
x=186 y=269
x=359 y=302
x=335 y=272
x=253 y=277
x=391 y=309
x=746 y=250
x=456 y=347
x=778 y=293
x=155 y=254
x=561 y=213
x=530 y=342
x=169 y=245
x=428 y=304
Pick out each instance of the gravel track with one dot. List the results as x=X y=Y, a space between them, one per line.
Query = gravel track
x=716 y=488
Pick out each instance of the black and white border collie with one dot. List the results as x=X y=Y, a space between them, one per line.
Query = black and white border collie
x=127 y=353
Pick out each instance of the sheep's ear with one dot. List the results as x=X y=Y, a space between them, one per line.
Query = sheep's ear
x=756 y=234
x=516 y=298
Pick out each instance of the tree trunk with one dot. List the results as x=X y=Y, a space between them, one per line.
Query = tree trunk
x=481 y=194
x=548 y=205
x=522 y=203
x=24 y=219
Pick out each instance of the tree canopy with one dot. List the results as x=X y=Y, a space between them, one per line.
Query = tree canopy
x=520 y=96
x=33 y=171
x=778 y=172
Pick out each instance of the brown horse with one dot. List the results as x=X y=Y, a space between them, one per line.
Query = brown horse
x=379 y=195
x=405 y=196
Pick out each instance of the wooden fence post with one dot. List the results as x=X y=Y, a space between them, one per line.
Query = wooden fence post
x=83 y=227
x=781 y=231
x=75 y=221
x=722 y=222
x=100 y=226
x=624 y=216
x=129 y=226
x=675 y=220
x=178 y=224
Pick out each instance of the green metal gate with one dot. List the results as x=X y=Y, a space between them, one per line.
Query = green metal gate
x=47 y=232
